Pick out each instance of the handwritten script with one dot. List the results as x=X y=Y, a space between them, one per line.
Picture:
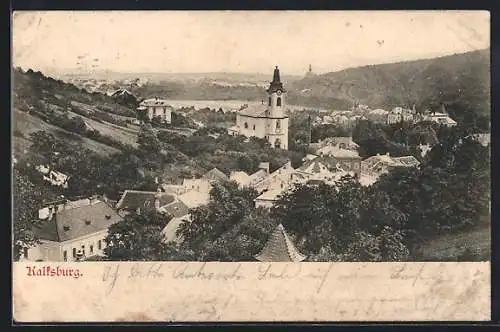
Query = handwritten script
x=212 y=291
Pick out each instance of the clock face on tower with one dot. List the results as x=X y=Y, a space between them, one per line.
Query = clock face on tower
x=279 y=92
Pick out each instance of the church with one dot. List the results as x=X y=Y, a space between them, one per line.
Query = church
x=266 y=121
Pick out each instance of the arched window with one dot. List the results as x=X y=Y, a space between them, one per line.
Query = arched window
x=246 y=125
x=269 y=104
x=253 y=127
x=278 y=101
x=277 y=144
x=278 y=124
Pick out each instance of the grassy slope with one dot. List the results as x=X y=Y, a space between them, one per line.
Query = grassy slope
x=27 y=124
x=447 y=247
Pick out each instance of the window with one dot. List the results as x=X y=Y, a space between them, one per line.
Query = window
x=74 y=252
x=278 y=102
x=99 y=245
x=253 y=127
x=246 y=125
x=269 y=101
x=83 y=250
x=91 y=249
x=65 y=255
x=25 y=252
x=277 y=144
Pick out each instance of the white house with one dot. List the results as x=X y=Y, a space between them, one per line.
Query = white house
x=399 y=114
x=70 y=231
x=155 y=107
x=441 y=118
x=54 y=177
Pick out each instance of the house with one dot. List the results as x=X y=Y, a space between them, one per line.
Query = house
x=340 y=159
x=215 y=175
x=240 y=177
x=377 y=165
x=139 y=201
x=201 y=185
x=441 y=118
x=54 y=177
x=339 y=142
x=316 y=172
x=193 y=199
x=71 y=231
x=279 y=248
x=173 y=189
x=398 y=114
x=268 y=121
x=377 y=116
x=155 y=108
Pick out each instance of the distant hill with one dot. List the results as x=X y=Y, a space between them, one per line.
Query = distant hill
x=460 y=81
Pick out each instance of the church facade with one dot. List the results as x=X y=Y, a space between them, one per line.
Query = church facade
x=268 y=121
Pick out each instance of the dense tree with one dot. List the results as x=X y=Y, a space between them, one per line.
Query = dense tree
x=229 y=228
x=343 y=222
x=26 y=200
x=147 y=140
x=137 y=237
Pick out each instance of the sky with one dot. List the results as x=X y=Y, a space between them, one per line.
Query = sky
x=239 y=41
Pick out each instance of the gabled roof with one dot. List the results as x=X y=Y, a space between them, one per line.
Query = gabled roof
x=279 y=248
x=215 y=175
x=75 y=222
x=133 y=199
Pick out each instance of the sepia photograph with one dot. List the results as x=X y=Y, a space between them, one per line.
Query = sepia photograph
x=250 y=138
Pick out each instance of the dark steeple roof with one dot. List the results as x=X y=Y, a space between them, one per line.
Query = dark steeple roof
x=276 y=83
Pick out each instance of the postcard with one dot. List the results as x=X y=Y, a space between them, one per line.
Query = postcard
x=251 y=166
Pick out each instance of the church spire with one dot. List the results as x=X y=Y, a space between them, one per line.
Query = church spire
x=276 y=83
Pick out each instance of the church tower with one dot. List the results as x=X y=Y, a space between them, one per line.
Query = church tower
x=276 y=96
x=277 y=120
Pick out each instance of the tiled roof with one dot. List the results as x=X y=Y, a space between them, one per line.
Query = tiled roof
x=240 y=177
x=257 y=176
x=194 y=199
x=337 y=152
x=254 y=110
x=176 y=209
x=155 y=102
x=279 y=248
x=72 y=223
x=270 y=195
x=170 y=231
x=215 y=175
x=133 y=199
